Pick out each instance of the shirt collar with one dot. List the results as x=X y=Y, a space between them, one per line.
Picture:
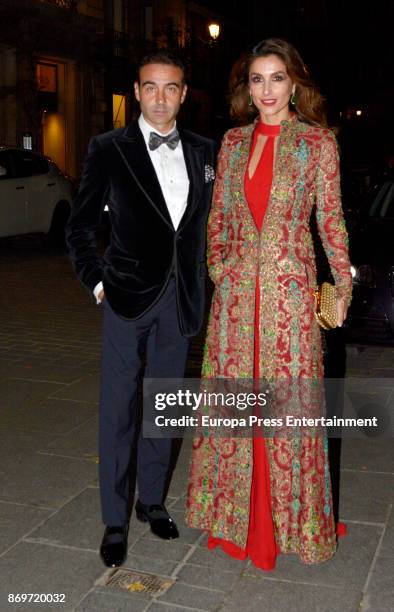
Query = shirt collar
x=146 y=129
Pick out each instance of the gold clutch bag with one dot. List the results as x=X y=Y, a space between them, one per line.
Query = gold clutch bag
x=326 y=306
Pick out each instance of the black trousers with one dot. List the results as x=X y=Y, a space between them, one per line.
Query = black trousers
x=123 y=344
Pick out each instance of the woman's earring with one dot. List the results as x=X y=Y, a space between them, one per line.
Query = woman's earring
x=250 y=100
x=293 y=99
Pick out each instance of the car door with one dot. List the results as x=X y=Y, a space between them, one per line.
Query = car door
x=13 y=197
x=41 y=190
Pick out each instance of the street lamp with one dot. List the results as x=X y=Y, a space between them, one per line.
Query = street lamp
x=214 y=31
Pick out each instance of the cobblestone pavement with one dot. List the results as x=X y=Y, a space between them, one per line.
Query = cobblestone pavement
x=49 y=507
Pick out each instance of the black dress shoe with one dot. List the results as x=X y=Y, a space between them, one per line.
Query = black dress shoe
x=161 y=524
x=113 y=549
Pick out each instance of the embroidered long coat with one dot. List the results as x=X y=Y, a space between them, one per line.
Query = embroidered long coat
x=281 y=257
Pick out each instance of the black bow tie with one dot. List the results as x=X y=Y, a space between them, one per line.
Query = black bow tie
x=156 y=140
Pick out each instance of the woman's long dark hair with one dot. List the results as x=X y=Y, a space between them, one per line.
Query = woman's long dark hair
x=309 y=103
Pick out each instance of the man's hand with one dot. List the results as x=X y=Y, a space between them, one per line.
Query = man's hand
x=341 y=311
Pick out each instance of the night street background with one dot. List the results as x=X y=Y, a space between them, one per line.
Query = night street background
x=66 y=74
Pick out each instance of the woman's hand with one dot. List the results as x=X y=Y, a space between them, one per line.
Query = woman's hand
x=341 y=311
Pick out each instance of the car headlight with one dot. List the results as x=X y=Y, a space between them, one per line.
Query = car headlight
x=363 y=275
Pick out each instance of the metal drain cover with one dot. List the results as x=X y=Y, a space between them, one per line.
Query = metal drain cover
x=139 y=582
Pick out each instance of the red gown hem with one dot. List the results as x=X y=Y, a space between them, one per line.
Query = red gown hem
x=341 y=529
x=261 y=546
x=236 y=552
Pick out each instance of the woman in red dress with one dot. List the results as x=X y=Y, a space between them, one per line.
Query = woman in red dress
x=258 y=497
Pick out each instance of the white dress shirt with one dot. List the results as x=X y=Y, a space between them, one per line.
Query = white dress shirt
x=171 y=172
x=172 y=175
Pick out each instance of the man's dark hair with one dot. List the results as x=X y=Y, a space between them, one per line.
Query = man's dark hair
x=161 y=57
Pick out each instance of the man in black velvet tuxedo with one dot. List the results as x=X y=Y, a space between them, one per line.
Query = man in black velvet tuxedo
x=157 y=180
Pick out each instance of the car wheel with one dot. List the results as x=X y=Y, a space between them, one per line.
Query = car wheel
x=56 y=235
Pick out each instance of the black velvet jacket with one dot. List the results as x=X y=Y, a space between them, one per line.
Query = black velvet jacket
x=144 y=250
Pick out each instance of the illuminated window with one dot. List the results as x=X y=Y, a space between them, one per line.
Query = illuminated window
x=118 y=111
x=46 y=75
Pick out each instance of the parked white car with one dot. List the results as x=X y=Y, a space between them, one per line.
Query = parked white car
x=34 y=195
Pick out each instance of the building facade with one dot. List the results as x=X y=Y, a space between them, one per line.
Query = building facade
x=57 y=64
x=67 y=68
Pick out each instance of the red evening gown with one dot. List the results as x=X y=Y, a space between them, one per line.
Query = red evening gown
x=261 y=547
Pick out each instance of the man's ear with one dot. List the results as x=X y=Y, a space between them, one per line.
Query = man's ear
x=184 y=91
x=137 y=90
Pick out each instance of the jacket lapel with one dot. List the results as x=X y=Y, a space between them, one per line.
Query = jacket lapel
x=133 y=152
x=193 y=151
x=285 y=159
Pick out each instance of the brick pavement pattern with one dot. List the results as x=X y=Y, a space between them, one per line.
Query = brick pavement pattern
x=49 y=504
